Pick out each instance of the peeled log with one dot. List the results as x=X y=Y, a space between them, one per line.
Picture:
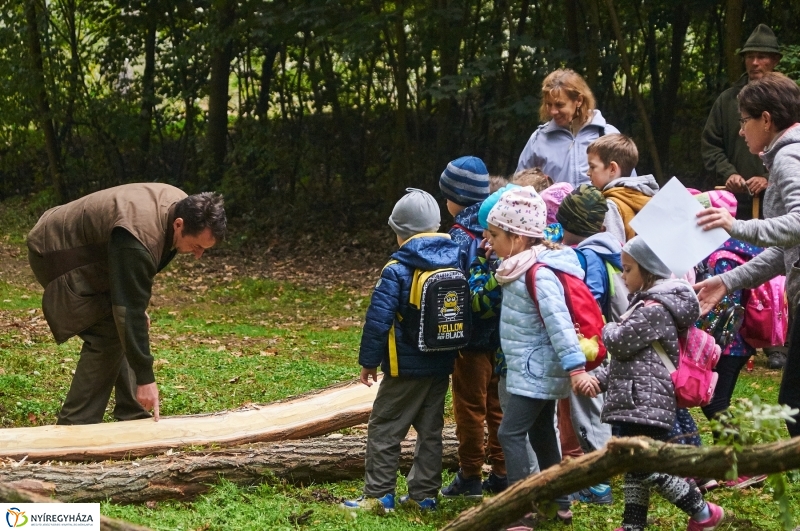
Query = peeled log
x=318 y=413
x=9 y=494
x=185 y=476
x=619 y=456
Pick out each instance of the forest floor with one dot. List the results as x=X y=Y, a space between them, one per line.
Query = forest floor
x=256 y=323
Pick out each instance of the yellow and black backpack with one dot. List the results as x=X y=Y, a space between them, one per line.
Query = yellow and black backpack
x=441 y=315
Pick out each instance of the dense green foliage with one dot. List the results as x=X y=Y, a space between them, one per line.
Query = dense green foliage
x=293 y=105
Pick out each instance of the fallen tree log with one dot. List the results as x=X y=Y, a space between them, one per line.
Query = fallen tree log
x=9 y=494
x=185 y=476
x=617 y=457
x=310 y=415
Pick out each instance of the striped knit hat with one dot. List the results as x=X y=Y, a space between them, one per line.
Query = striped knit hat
x=465 y=181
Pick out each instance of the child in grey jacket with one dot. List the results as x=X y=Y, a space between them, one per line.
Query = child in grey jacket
x=640 y=396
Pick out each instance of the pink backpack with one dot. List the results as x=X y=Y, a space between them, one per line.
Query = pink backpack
x=766 y=315
x=766 y=312
x=694 y=377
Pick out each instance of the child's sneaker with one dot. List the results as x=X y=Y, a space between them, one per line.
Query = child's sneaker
x=495 y=484
x=742 y=482
x=385 y=503
x=599 y=494
x=462 y=487
x=713 y=521
x=428 y=504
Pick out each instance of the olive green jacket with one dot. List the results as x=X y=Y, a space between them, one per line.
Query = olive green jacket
x=724 y=152
x=68 y=249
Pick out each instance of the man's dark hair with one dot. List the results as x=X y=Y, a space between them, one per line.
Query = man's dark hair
x=201 y=211
x=774 y=93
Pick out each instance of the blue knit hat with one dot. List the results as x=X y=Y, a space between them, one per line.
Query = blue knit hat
x=465 y=181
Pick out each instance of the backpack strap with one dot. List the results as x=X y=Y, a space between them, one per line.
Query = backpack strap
x=663 y=355
x=530 y=284
x=462 y=227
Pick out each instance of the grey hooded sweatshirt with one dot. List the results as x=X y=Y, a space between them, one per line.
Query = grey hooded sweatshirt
x=781 y=232
x=645 y=184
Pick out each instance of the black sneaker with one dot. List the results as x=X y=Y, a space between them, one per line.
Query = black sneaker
x=495 y=484
x=462 y=487
x=776 y=359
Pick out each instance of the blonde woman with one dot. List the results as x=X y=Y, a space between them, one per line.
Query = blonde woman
x=558 y=146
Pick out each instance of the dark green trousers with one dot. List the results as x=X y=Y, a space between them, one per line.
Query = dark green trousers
x=400 y=404
x=102 y=368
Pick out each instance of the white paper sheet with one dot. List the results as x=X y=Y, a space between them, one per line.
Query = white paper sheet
x=668 y=225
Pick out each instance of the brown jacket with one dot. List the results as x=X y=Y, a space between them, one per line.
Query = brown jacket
x=68 y=249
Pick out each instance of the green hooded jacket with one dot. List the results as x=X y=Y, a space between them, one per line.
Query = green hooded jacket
x=724 y=152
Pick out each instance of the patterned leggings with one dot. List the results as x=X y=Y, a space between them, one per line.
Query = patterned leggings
x=682 y=493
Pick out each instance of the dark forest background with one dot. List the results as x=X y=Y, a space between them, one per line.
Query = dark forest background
x=324 y=110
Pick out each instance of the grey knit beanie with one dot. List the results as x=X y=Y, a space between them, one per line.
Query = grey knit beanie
x=645 y=257
x=416 y=212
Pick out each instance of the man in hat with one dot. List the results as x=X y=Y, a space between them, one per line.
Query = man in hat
x=725 y=153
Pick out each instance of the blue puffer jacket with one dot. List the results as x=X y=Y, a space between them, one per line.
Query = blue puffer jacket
x=561 y=155
x=397 y=354
x=598 y=249
x=485 y=322
x=541 y=349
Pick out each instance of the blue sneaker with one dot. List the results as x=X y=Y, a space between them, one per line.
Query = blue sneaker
x=428 y=504
x=383 y=504
x=599 y=494
x=469 y=488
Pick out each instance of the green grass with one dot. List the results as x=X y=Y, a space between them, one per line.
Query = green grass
x=222 y=338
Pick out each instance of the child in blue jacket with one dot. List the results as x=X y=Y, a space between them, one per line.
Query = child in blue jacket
x=414 y=385
x=465 y=185
x=538 y=337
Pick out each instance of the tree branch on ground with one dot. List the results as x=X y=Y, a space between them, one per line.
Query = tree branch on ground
x=186 y=476
x=620 y=456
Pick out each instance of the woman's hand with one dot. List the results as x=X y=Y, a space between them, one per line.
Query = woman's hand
x=710 y=292
x=712 y=218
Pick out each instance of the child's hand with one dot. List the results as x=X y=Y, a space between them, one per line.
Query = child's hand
x=366 y=373
x=585 y=384
x=486 y=246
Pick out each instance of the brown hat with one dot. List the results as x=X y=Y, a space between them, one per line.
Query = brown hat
x=761 y=40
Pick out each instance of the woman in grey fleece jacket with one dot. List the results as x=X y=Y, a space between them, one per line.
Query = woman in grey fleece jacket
x=770 y=109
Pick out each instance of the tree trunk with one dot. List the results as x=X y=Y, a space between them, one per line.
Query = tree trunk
x=734 y=13
x=262 y=106
x=574 y=28
x=318 y=413
x=680 y=25
x=221 y=57
x=11 y=494
x=42 y=102
x=184 y=477
x=620 y=456
x=399 y=167
x=626 y=65
x=148 y=83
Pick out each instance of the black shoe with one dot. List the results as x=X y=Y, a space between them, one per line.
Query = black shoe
x=463 y=487
x=495 y=484
x=776 y=359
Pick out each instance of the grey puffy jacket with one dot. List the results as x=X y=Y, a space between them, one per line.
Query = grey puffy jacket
x=638 y=387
